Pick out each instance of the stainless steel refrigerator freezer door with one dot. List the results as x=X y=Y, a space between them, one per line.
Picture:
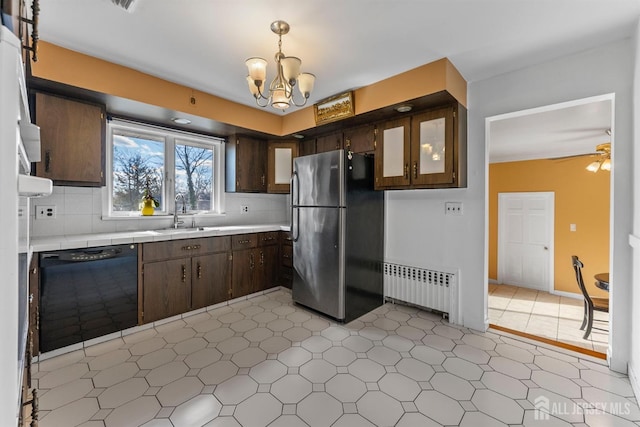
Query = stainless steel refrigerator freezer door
x=318 y=260
x=318 y=180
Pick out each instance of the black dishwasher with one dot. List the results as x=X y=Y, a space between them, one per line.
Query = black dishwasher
x=87 y=293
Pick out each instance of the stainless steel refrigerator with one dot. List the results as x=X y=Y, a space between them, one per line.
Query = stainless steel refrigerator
x=338 y=234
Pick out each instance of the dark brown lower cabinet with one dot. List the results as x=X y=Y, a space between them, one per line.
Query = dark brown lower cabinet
x=286 y=260
x=178 y=276
x=210 y=279
x=183 y=275
x=244 y=276
x=167 y=289
x=269 y=266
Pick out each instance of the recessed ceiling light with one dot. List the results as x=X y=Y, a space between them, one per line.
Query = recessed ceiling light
x=403 y=108
x=297 y=135
x=181 y=121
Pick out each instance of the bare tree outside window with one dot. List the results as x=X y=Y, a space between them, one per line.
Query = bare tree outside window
x=194 y=177
x=136 y=161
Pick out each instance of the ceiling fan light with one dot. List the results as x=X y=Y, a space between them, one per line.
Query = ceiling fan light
x=606 y=165
x=593 y=167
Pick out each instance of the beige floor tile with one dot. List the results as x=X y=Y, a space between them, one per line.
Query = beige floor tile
x=395 y=366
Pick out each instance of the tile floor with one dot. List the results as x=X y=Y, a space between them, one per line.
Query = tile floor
x=546 y=315
x=267 y=362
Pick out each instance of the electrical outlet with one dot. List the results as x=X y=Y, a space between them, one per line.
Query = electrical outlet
x=46 y=212
x=453 y=208
x=244 y=209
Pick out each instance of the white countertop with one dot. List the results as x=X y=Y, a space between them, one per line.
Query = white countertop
x=40 y=244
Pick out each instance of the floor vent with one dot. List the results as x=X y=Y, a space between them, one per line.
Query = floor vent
x=435 y=290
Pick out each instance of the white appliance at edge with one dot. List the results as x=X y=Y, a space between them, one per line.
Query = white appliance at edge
x=19 y=145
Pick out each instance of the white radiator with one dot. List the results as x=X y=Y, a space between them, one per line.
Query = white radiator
x=435 y=290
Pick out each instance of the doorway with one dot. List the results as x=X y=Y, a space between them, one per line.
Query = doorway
x=547 y=150
x=525 y=239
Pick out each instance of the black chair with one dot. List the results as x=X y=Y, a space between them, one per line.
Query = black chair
x=590 y=303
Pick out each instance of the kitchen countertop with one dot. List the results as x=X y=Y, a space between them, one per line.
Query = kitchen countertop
x=40 y=244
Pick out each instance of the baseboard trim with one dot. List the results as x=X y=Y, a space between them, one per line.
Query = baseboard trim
x=566 y=294
x=575 y=348
x=634 y=380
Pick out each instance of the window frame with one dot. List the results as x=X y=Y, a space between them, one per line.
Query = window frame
x=170 y=138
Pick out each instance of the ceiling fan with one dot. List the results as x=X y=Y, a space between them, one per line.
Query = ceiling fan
x=604 y=162
x=602 y=154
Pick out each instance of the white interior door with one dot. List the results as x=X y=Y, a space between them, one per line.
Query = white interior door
x=525 y=239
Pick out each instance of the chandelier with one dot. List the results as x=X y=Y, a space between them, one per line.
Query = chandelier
x=280 y=93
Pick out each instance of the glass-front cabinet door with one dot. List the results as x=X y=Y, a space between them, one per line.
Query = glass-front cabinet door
x=432 y=147
x=280 y=165
x=393 y=154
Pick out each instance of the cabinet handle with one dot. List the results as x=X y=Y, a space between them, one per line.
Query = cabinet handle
x=261 y=258
x=415 y=170
x=38 y=317
x=199 y=271
x=406 y=171
x=184 y=273
x=47 y=161
x=242 y=242
x=262 y=180
x=251 y=262
x=286 y=256
x=195 y=247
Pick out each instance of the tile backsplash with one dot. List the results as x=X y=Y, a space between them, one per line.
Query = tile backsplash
x=78 y=210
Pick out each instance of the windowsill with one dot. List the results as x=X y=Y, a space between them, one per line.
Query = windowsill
x=161 y=216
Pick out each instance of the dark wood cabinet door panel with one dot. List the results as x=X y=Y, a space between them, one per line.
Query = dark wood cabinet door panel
x=251 y=165
x=307 y=147
x=210 y=279
x=72 y=137
x=269 y=265
x=244 y=273
x=167 y=289
x=329 y=142
x=361 y=139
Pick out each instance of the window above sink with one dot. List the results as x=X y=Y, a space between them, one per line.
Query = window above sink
x=174 y=165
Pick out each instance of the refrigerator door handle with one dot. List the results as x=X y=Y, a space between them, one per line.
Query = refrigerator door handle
x=294 y=224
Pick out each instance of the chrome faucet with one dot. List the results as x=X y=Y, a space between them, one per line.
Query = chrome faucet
x=176 y=220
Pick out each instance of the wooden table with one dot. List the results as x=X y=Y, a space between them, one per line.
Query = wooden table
x=602 y=281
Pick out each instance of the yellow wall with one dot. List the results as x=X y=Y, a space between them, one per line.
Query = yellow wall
x=581 y=198
x=76 y=69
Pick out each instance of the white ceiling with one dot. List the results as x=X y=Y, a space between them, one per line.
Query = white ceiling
x=347 y=44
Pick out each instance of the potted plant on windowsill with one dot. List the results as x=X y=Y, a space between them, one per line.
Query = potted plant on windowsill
x=148 y=202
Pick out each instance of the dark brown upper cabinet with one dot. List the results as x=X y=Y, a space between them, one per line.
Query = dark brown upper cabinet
x=361 y=139
x=246 y=165
x=332 y=141
x=280 y=165
x=425 y=150
x=307 y=147
x=72 y=137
